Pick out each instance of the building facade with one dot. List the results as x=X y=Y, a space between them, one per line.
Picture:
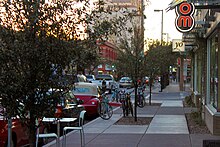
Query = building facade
x=108 y=52
x=205 y=45
x=108 y=49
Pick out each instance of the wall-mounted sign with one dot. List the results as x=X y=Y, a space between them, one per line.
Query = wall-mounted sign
x=185 y=21
x=178 y=45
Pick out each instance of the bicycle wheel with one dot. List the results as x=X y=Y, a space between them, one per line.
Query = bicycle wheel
x=123 y=108
x=105 y=110
x=126 y=107
x=141 y=101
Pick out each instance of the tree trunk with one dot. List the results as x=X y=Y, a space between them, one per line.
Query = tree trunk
x=135 y=102
x=32 y=131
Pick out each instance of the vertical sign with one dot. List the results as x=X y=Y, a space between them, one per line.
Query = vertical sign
x=185 y=21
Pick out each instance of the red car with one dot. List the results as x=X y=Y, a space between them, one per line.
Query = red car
x=19 y=132
x=89 y=94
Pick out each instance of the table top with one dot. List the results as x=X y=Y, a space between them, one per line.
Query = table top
x=60 y=119
x=72 y=104
x=70 y=107
x=67 y=119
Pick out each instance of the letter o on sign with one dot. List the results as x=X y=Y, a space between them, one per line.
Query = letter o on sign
x=185 y=21
x=185 y=9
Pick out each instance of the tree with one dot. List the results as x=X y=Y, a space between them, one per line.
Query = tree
x=158 y=60
x=133 y=62
x=37 y=41
x=34 y=47
x=131 y=57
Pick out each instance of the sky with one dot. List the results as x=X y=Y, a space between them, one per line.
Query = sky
x=153 y=21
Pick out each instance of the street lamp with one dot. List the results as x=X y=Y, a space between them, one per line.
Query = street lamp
x=162 y=78
x=161 y=24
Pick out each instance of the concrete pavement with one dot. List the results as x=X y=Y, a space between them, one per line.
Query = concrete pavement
x=168 y=128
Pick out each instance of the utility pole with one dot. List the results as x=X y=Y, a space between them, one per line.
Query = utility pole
x=161 y=44
x=142 y=18
x=161 y=39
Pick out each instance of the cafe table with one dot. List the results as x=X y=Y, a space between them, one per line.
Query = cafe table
x=58 y=121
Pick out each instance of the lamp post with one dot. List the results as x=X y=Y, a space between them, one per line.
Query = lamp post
x=162 y=78
x=161 y=24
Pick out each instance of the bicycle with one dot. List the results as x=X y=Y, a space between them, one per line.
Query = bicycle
x=140 y=99
x=127 y=107
x=105 y=110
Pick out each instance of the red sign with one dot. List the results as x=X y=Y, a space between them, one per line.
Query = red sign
x=185 y=21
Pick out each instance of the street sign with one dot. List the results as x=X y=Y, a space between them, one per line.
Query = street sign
x=178 y=45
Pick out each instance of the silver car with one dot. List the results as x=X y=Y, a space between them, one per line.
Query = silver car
x=90 y=78
x=125 y=82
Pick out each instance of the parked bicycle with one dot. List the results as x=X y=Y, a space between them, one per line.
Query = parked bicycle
x=105 y=110
x=140 y=97
x=126 y=104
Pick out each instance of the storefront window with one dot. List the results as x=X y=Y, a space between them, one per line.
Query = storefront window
x=214 y=71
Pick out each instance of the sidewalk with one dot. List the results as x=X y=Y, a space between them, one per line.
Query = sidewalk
x=168 y=128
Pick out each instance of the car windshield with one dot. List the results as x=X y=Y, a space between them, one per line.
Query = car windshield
x=125 y=79
x=89 y=77
x=85 y=90
x=106 y=77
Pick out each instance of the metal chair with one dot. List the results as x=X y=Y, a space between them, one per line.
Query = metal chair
x=46 y=135
x=80 y=128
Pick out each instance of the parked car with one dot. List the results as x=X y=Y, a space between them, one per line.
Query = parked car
x=125 y=82
x=90 y=78
x=109 y=79
x=89 y=94
x=19 y=131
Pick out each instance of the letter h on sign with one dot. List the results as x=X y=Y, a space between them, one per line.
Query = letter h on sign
x=185 y=21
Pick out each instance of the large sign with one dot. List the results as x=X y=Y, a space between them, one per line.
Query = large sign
x=185 y=21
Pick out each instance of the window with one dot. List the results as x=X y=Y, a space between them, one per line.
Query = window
x=214 y=71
